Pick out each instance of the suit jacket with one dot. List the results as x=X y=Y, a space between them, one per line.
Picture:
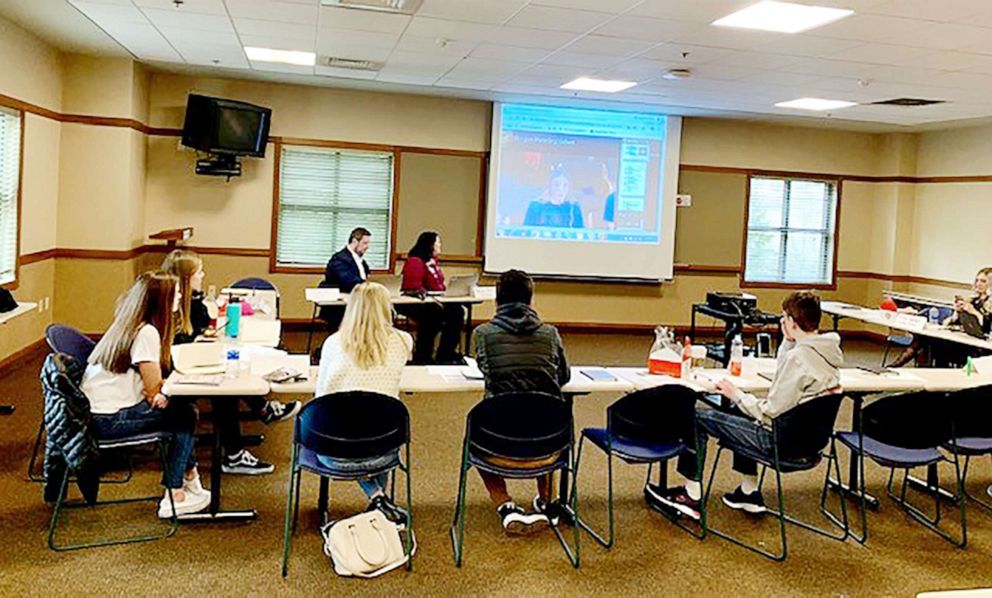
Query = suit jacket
x=342 y=272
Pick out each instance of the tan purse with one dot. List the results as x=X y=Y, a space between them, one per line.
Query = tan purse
x=364 y=545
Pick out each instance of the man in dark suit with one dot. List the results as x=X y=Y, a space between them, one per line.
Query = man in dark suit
x=346 y=270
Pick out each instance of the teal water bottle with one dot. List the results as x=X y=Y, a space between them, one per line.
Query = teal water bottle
x=233 y=314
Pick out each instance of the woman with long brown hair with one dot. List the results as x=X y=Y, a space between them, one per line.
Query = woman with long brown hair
x=192 y=320
x=123 y=382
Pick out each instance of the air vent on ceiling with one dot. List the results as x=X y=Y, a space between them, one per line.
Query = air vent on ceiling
x=908 y=102
x=406 y=7
x=353 y=64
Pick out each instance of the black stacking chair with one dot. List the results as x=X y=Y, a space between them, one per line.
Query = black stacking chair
x=347 y=425
x=67 y=340
x=635 y=433
x=905 y=431
x=972 y=412
x=807 y=430
x=496 y=428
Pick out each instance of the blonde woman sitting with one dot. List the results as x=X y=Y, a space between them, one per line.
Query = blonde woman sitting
x=366 y=354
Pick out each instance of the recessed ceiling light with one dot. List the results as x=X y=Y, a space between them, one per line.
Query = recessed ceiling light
x=285 y=56
x=783 y=17
x=816 y=104
x=604 y=85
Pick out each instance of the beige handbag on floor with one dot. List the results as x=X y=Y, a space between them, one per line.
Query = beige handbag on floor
x=364 y=545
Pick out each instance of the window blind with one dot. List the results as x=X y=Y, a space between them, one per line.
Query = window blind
x=10 y=155
x=324 y=194
x=790 y=231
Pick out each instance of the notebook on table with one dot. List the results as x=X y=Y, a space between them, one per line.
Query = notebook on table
x=199 y=358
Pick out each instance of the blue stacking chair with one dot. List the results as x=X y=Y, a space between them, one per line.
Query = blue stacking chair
x=67 y=340
x=497 y=428
x=972 y=412
x=907 y=431
x=353 y=425
x=257 y=284
x=807 y=430
x=635 y=434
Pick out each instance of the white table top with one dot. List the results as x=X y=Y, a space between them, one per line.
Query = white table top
x=873 y=316
x=22 y=308
x=949 y=379
x=245 y=385
x=407 y=300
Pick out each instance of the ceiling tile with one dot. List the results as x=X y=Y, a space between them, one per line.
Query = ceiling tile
x=588 y=61
x=455 y=30
x=607 y=6
x=952 y=36
x=493 y=12
x=178 y=34
x=758 y=60
x=686 y=54
x=362 y=20
x=353 y=51
x=831 y=68
x=481 y=83
x=533 y=38
x=929 y=10
x=188 y=20
x=268 y=10
x=220 y=56
x=882 y=54
x=114 y=2
x=112 y=13
x=635 y=69
x=721 y=37
x=497 y=52
x=419 y=60
x=210 y=7
x=700 y=11
x=609 y=46
x=276 y=43
x=946 y=60
x=429 y=45
x=558 y=19
x=871 y=28
x=808 y=45
x=330 y=71
x=144 y=41
x=406 y=78
x=473 y=67
x=643 y=28
x=347 y=37
x=779 y=78
x=306 y=34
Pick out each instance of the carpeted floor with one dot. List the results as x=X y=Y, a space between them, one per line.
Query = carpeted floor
x=651 y=555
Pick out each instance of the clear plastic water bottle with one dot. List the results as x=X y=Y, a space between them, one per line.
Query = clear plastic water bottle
x=736 y=356
x=233 y=366
x=933 y=315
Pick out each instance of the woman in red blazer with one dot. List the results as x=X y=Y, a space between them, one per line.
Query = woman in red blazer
x=422 y=275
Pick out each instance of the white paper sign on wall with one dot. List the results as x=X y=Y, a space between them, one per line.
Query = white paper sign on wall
x=683 y=200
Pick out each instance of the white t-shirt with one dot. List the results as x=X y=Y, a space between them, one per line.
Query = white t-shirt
x=109 y=392
x=339 y=372
x=358 y=262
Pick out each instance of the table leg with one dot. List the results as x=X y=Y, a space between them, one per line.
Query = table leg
x=852 y=488
x=214 y=513
x=313 y=321
x=692 y=326
x=6 y=409
x=468 y=329
x=564 y=494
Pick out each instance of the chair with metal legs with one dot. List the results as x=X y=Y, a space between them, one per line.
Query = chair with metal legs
x=907 y=431
x=353 y=425
x=636 y=433
x=972 y=410
x=495 y=428
x=799 y=438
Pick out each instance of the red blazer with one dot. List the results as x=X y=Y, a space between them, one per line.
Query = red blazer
x=418 y=277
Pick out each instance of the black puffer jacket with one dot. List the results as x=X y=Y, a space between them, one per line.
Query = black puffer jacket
x=517 y=352
x=68 y=440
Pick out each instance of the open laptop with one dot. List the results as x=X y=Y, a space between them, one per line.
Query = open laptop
x=462 y=286
x=970 y=324
x=199 y=358
x=392 y=282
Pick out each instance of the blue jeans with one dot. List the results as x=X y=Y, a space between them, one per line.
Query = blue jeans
x=736 y=430
x=373 y=484
x=179 y=418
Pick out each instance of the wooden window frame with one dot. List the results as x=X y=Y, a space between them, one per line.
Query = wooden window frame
x=838 y=182
x=14 y=284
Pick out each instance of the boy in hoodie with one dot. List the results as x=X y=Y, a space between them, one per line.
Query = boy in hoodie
x=517 y=352
x=806 y=368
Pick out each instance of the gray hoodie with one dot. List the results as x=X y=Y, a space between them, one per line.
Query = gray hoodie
x=805 y=369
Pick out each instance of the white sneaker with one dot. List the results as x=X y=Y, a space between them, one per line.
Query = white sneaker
x=195 y=487
x=192 y=503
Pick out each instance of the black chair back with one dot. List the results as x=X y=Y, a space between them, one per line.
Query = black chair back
x=654 y=415
x=915 y=420
x=520 y=426
x=353 y=425
x=805 y=430
x=255 y=284
x=68 y=340
x=972 y=412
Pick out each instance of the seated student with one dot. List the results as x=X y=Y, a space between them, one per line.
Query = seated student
x=368 y=354
x=519 y=353
x=346 y=269
x=123 y=382
x=806 y=369
x=422 y=275
x=979 y=305
x=192 y=321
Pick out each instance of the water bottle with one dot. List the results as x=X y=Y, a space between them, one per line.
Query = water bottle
x=736 y=356
x=233 y=366
x=933 y=315
x=233 y=318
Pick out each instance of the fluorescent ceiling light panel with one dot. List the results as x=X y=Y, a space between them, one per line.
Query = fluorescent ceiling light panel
x=782 y=17
x=590 y=84
x=284 y=56
x=816 y=104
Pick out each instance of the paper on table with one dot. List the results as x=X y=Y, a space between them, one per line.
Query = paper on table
x=322 y=295
x=472 y=371
x=982 y=365
x=261 y=366
x=485 y=292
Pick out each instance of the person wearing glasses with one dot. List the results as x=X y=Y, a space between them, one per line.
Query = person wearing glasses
x=806 y=368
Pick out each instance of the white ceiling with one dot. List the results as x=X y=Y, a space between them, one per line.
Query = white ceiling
x=498 y=49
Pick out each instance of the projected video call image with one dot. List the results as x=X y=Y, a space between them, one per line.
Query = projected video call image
x=579 y=179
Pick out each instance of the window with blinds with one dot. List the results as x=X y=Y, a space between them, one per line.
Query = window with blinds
x=790 y=231
x=10 y=156
x=324 y=194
